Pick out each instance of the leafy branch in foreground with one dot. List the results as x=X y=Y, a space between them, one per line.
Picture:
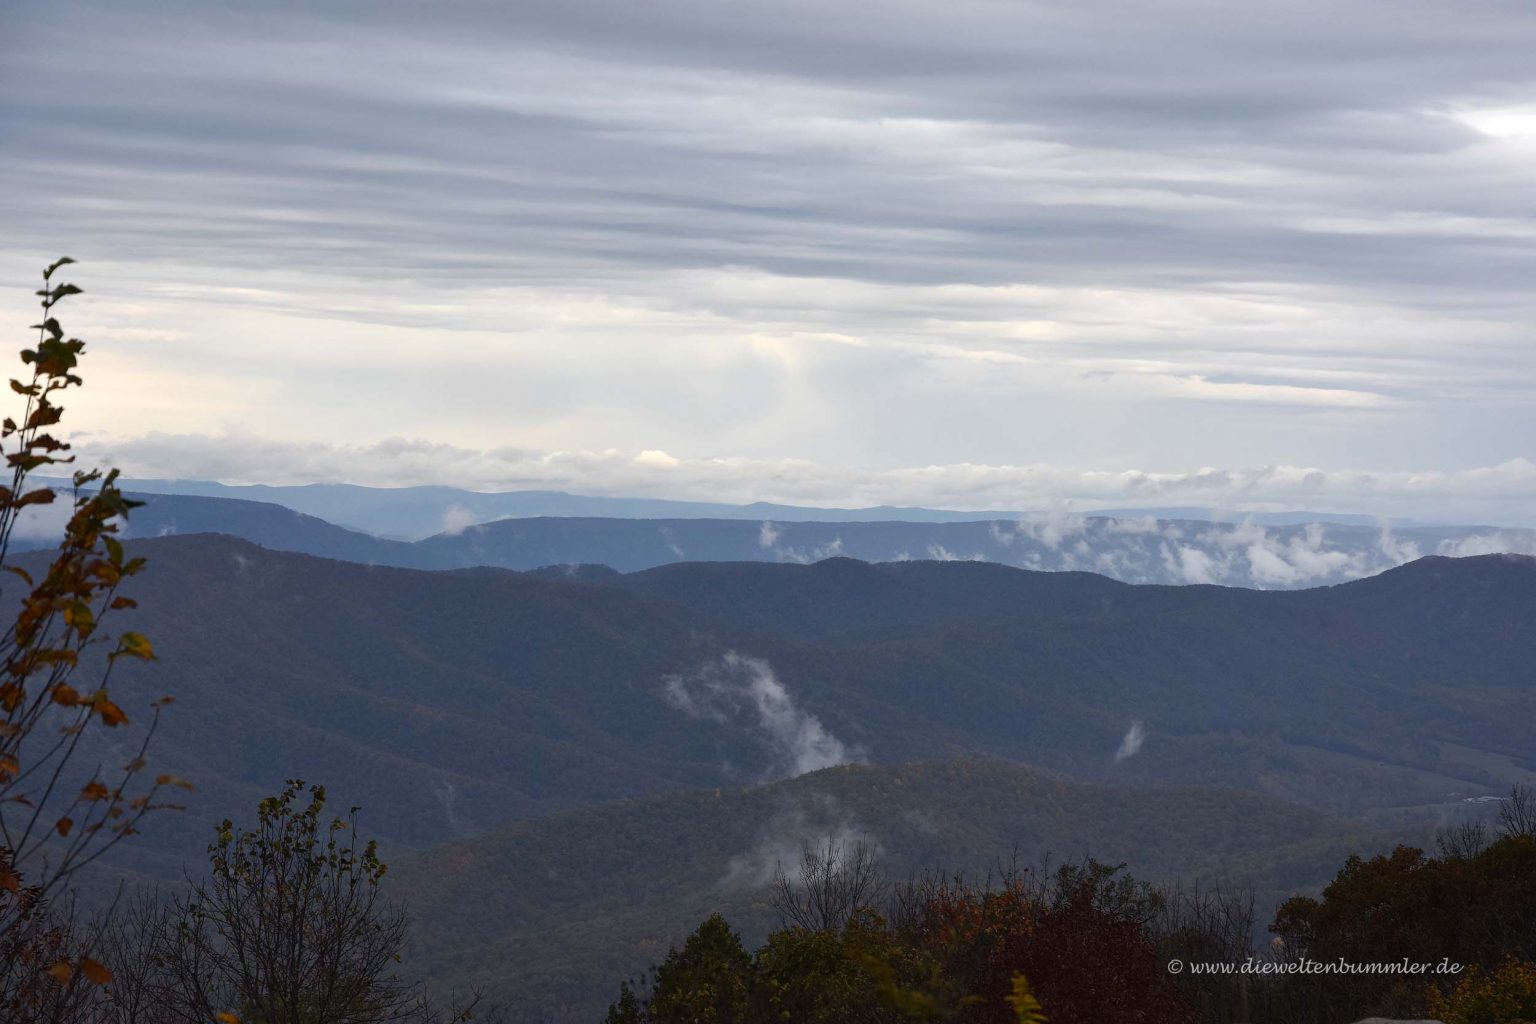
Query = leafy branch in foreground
x=56 y=666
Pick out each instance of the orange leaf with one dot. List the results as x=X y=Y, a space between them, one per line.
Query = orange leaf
x=110 y=713
x=94 y=791
x=61 y=972
x=94 y=972
x=64 y=825
x=10 y=881
x=66 y=695
x=226 y=1018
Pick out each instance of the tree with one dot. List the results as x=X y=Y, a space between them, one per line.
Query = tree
x=290 y=927
x=1506 y=996
x=1474 y=909
x=864 y=974
x=1076 y=945
x=56 y=663
x=835 y=881
x=1517 y=814
x=705 y=982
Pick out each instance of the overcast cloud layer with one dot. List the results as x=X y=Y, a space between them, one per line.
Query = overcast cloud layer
x=977 y=254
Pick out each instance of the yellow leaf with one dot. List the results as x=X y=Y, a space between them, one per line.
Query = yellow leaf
x=61 y=972
x=135 y=645
x=1026 y=1007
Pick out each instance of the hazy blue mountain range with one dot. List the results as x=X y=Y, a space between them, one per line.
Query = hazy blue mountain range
x=411 y=513
x=1135 y=549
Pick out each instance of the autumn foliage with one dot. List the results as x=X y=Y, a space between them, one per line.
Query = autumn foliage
x=1072 y=945
x=56 y=664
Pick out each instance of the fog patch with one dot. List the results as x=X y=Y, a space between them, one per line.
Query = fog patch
x=780 y=842
x=1191 y=564
x=1393 y=550
x=940 y=553
x=1247 y=554
x=447 y=797
x=803 y=556
x=1493 y=543
x=1130 y=744
x=45 y=522
x=671 y=539
x=742 y=691
x=457 y=519
x=1136 y=526
x=1052 y=526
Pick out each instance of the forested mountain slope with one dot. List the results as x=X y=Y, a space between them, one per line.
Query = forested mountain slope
x=551 y=914
x=450 y=702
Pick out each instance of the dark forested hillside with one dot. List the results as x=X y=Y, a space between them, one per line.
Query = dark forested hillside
x=451 y=702
x=552 y=744
x=550 y=913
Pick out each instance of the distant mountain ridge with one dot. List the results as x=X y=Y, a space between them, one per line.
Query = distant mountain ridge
x=1131 y=549
x=412 y=513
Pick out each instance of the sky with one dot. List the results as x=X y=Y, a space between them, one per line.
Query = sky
x=971 y=254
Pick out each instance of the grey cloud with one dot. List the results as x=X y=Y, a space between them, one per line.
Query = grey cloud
x=433 y=131
x=1262 y=218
